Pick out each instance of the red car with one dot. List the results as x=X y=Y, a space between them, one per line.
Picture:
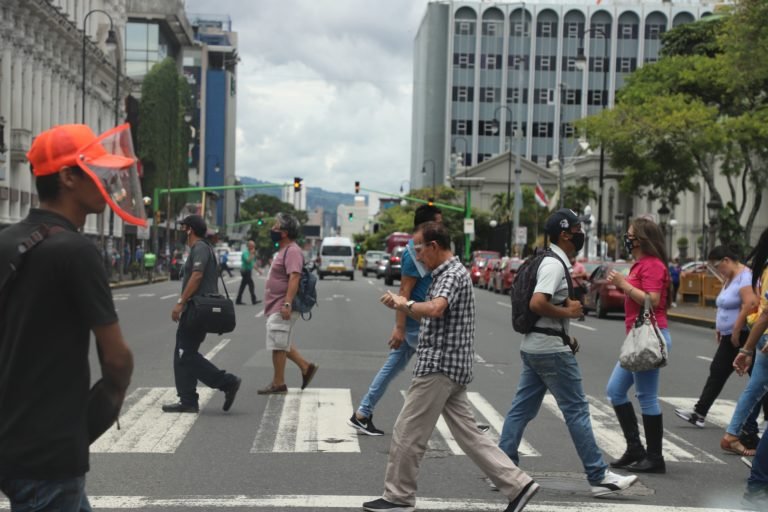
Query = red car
x=486 y=275
x=602 y=296
x=506 y=276
x=479 y=259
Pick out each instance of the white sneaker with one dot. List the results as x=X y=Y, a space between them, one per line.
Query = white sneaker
x=612 y=483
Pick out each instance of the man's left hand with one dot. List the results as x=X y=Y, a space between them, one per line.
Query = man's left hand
x=176 y=313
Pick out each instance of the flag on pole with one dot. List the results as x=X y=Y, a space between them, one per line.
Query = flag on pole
x=540 y=195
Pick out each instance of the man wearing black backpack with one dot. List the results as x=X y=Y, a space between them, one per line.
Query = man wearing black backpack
x=548 y=352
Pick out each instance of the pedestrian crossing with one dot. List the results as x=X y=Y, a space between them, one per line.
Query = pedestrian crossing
x=314 y=421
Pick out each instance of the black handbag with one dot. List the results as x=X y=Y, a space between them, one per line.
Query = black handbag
x=212 y=313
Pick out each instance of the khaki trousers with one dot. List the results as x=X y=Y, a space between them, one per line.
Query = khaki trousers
x=428 y=397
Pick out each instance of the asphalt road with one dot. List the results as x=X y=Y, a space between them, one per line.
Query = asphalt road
x=295 y=452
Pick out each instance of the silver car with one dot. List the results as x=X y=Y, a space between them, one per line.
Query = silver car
x=371 y=261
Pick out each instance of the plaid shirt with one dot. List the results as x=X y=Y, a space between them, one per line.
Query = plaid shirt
x=446 y=344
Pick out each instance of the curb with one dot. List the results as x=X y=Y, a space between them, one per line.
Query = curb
x=692 y=320
x=136 y=282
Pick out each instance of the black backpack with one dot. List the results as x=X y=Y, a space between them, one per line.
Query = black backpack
x=306 y=296
x=523 y=319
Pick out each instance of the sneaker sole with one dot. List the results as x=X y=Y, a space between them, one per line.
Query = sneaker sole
x=688 y=420
x=604 y=491
x=747 y=461
x=363 y=431
x=402 y=508
x=528 y=496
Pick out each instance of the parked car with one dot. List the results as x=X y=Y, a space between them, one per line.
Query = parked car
x=486 y=275
x=602 y=296
x=394 y=265
x=371 y=261
x=506 y=275
x=177 y=264
x=479 y=260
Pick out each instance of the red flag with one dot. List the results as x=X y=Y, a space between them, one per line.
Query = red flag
x=541 y=196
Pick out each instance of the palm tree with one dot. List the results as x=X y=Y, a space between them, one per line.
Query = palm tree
x=579 y=196
x=501 y=207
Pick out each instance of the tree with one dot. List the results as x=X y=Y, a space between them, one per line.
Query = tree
x=265 y=207
x=577 y=197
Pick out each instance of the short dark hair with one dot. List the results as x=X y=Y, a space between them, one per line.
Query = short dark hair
x=435 y=232
x=49 y=186
x=731 y=251
x=425 y=213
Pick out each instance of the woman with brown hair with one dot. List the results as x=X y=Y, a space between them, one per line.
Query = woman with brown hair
x=648 y=277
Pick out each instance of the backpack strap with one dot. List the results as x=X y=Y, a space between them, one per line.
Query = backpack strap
x=42 y=232
x=555 y=332
x=216 y=268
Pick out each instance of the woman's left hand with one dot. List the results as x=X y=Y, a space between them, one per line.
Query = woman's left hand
x=617 y=278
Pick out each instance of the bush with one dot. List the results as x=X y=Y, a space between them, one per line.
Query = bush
x=682 y=242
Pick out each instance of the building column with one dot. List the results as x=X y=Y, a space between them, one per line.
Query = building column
x=6 y=95
x=47 y=95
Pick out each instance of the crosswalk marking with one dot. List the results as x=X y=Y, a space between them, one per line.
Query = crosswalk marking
x=310 y=421
x=315 y=502
x=164 y=297
x=145 y=428
x=719 y=414
x=611 y=440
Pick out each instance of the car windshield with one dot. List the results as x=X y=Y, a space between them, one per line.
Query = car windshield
x=337 y=250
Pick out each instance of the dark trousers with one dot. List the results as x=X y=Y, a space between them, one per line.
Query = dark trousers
x=719 y=370
x=63 y=495
x=189 y=365
x=225 y=268
x=246 y=281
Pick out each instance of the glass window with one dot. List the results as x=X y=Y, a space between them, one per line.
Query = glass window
x=595 y=97
x=654 y=31
x=464 y=60
x=545 y=63
x=520 y=29
x=489 y=94
x=492 y=61
x=491 y=28
x=516 y=61
x=627 y=31
x=465 y=28
x=573 y=30
x=153 y=37
x=546 y=29
x=626 y=64
x=568 y=130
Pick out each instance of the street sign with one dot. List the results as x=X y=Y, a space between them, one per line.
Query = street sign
x=469 y=226
x=521 y=237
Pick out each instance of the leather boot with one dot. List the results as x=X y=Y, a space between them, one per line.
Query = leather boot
x=628 y=421
x=654 y=460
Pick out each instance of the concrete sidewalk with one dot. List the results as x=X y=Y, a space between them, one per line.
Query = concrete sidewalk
x=702 y=316
x=136 y=282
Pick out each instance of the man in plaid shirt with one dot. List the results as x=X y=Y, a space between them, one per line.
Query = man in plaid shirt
x=442 y=372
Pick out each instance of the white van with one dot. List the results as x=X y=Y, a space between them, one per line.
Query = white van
x=337 y=257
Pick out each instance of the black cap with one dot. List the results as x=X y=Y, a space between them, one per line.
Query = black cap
x=562 y=220
x=197 y=224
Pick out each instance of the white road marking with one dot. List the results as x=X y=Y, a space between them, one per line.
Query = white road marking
x=582 y=326
x=215 y=350
x=505 y=304
x=611 y=439
x=704 y=358
x=260 y=314
x=310 y=422
x=120 y=298
x=496 y=421
x=147 y=294
x=145 y=428
x=719 y=414
x=232 y=280
x=370 y=281
x=314 y=502
x=165 y=297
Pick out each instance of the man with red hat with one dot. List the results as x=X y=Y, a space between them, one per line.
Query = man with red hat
x=53 y=293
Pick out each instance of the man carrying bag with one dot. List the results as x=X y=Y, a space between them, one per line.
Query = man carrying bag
x=189 y=366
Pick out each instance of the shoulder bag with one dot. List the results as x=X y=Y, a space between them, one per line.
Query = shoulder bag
x=212 y=313
x=644 y=348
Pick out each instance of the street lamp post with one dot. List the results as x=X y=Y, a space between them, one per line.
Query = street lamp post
x=713 y=206
x=587 y=220
x=434 y=174
x=561 y=133
x=511 y=227
x=619 y=221
x=664 y=213
x=581 y=64
x=401 y=185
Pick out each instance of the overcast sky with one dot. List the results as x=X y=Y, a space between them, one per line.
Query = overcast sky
x=324 y=89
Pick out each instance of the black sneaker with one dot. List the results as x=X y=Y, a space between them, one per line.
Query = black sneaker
x=382 y=504
x=180 y=407
x=230 y=393
x=523 y=498
x=365 y=427
x=691 y=417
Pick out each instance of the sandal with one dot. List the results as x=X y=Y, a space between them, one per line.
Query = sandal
x=734 y=446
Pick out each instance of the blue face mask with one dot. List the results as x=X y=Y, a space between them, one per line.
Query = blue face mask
x=276 y=236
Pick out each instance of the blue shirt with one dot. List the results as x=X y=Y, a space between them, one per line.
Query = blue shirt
x=729 y=302
x=419 y=293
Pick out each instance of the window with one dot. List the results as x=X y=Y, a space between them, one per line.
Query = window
x=654 y=31
x=627 y=31
x=542 y=130
x=483 y=157
x=572 y=96
x=464 y=60
x=569 y=63
x=515 y=61
x=626 y=64
x=597 y=27
x=491 y=28
x=489 y=94
x=144 y=46
x=488 y=128
x=461 y=127
x=568 y=130
x=545 y=96
x=513 y=94
x=546 y=29
x=465 y=28
x=573 y=30
x=490 y=62
x=545 y=63
x=520 y=29
x=595 y=97
x=598 y=64
x=463 y=93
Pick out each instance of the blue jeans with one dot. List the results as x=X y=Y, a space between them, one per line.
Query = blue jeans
x=65 y=495
x=758 y=477
x=396 y=362
x=748 y=406
x=559 y=373
x=646 y=385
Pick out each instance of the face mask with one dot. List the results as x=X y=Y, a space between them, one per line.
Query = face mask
x=629 y=244
x=184 y=237
x=276 y=236
x=577 y=241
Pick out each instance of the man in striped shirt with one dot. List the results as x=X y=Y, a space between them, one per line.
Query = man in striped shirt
x=444 y=368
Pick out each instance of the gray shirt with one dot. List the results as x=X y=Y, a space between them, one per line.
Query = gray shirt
x=201 y=259
x=550 y=280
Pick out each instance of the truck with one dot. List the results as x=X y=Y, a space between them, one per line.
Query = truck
x=397 y=239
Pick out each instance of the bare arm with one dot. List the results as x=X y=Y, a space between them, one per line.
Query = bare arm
x=540 y=305
x=744 y=358
x=115 y=358
x=407 y=284
x=432 y=309
x=748 y=305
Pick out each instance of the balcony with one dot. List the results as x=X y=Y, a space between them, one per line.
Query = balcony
x=21 y=139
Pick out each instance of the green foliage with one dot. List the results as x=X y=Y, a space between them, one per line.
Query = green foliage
x=699 y=38
x=682 y=242
x=265 y=207
x=576 y=197
x=163 y=137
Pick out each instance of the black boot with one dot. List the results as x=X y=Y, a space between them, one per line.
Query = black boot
x=628 y=421
x=654 y=460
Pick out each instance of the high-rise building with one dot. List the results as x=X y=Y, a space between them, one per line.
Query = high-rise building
x=491 y=77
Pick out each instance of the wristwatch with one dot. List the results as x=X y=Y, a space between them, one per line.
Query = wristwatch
x=410 y=304
x=287 y=305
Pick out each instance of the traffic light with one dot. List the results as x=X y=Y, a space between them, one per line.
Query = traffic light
x=260 y=222
x=350 y=215
x=296 y=184
x=431 y=201
x=358 y=247
x=357 y=187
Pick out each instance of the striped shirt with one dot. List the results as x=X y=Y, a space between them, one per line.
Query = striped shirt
x=446 y=344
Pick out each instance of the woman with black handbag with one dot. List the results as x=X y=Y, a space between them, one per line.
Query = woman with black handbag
x=648 y=278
